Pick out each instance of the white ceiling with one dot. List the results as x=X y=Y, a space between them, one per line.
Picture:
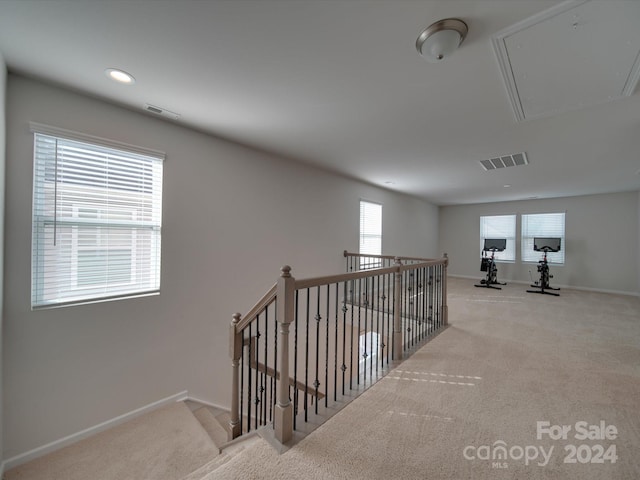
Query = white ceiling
x=339 y=84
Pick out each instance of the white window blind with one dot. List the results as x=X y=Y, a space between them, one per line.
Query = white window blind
x=542 y=225
x=370 y=232
x=97 y=217
x=500 y=226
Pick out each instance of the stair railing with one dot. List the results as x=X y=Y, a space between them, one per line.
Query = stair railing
x=309 y=341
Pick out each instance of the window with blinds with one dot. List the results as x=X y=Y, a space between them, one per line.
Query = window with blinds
x=500 y=226
x=542 y=225
x=97 y=218
x=370 y=233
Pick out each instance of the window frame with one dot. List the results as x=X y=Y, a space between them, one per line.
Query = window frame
x=369 y=262
x=511 y=239
x=528 y=255
x=140 y=235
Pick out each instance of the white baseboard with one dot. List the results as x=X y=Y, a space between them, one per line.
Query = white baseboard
x=73 y=438
x=567 y=287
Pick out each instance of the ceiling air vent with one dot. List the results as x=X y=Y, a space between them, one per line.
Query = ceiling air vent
x=161 y=111
x=505 y=161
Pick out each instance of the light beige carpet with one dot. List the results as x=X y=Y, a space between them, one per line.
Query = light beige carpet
x=166 y=444
x=509 y=360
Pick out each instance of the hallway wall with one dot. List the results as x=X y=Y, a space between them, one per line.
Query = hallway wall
x=232 y=216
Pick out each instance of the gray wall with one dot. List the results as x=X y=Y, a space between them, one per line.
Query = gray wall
x=601 y=240
x=232 y=217
x=3 y=84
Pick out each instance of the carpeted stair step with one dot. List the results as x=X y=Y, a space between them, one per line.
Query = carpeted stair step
x=207 y=468
x=224 y=419
x=212 y=426
x=208 y=471
x=164 y=444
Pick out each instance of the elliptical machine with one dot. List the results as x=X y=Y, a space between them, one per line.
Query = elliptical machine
x=545 y=245
x=488 y=263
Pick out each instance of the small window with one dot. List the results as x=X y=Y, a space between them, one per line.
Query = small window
x=500 y=226
x=370 y=234
x=542 y=225
x=97 y=217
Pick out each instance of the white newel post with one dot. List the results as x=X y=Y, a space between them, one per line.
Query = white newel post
x=445 y=308
x=397 y=312
x=283 y=414
x=235 y=351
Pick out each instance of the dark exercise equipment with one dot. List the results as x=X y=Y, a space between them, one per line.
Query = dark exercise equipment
x=488 y=264
x=545 y=244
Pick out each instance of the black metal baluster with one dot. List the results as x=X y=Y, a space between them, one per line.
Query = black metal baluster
x=372 y=303
x=436 y=305
x=359 y=329
x=425 y=311
x=440 y=270
x=274 y=383
x=432 y=319
x=256 y=355
x=378 y=337
x=418 y=300
x=306 y=363
x=343 y=367
x=416 y=307
x=365 y=354
x=335 y=348
x=434 y=310
x=249 y=368
x=295 y=367
x=392 y=309
x=266 y=365
x=354 y=300
x=409 y=313
x=385 y=316
x=424 y=301
x=318 y=318
x=242 y=367
x=405 y=310
x=326 y=352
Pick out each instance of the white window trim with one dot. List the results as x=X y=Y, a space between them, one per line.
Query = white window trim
x=550 y=256
x=38 y=302
x=84 y=137
x=509 y=238
x=364 y=261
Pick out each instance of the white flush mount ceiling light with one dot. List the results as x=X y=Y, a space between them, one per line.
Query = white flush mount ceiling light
x=120 y=76
x=441 y=39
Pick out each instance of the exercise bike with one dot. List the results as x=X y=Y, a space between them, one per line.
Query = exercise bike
x=488 y=263
x=545 y=245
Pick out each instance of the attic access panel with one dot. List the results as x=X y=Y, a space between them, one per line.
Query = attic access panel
x=576 y=54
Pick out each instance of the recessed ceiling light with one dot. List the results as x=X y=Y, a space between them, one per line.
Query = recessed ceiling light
x=389 y=182
x=507 y=186
x=120 y=76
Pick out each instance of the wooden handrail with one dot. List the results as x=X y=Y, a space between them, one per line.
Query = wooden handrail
x=345 y=277
x=386 y=257
x=342 y=277
x=257 y=309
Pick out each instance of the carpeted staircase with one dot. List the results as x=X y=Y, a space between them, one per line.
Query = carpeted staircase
x=181 y=441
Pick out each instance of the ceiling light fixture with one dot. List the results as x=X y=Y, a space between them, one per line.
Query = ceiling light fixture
x=120 y=76
x=441 y=39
